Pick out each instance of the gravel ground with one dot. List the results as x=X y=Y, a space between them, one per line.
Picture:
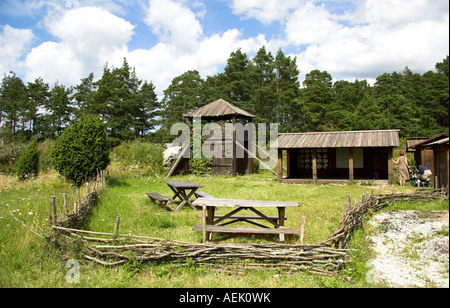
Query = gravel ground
x=412 y=249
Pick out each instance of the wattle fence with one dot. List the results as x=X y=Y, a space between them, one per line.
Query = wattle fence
x=325 y=258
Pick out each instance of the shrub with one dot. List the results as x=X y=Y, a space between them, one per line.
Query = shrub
x=138 y=158
x=28 y=162
x=45 y=155
x=81 y=150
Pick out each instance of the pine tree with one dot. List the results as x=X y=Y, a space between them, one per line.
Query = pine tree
x=13 y=102
x=287 y=91
x=263 y=85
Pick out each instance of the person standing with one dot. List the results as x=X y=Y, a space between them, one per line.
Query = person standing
x=403 y=166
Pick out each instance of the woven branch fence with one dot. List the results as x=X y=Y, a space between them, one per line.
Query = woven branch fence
x=325 y=258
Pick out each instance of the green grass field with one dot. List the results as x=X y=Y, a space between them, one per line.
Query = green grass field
x=29 y=261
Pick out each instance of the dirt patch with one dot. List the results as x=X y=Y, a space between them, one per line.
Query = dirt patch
x=411 y=247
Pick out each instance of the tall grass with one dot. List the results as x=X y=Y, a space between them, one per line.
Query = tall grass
x=29 y=261
x=137 y=158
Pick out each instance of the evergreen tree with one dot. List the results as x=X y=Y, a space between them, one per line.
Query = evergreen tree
x=28 y=162
x=235 y=80
x=316 y=100
x=147 y=109
x=59 y=111
x=13 y=102
x=85 y=97
x=38 y=96
x=127 y=106
x=184 y=95
x=263 y=86
x=287 y=90
x=82 y=150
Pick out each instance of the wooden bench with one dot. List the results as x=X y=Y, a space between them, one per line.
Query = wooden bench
x=157 y=198
x=237 y=231
x=202 y=194
x=245 y=218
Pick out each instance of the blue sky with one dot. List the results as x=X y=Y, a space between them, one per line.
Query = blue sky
x=65 y=40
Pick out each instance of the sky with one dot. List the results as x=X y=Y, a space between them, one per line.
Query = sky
x=65 y=40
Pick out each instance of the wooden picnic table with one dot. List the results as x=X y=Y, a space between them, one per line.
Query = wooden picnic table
x=210 y=222
x=183 y=190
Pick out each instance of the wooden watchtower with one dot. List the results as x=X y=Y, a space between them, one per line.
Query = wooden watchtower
x=221 y=112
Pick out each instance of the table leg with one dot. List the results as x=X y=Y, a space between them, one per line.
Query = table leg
x=185 y=199
x=177 y=194
x=281 y=214
x=210 y=220
x=188 y=197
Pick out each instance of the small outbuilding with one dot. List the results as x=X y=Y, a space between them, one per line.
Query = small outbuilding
x=438 y=146
x=337 y=157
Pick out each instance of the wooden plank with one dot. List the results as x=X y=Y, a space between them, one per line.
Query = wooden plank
x=174 y=166
x=202 y=194
x=280 y=164
x=245 y=230
x=241 y=217
x=213 y=202
x=157 y=196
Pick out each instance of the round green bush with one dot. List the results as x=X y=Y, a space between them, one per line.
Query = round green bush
x=28 y=162
x=82 y=150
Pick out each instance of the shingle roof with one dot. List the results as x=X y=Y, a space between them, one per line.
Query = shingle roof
x=219 y=109
x=346 y=139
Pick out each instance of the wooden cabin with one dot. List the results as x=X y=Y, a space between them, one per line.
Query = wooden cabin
x=337 y=157
x=438 y=146
x=423 y=155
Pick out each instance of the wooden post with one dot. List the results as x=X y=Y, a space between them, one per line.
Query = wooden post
x=66 y=211
x=234 y=159
x=280 y=165
x=54 y=213
x=281 y=215
x=314 y=165
x=249 y=145
x=302 y=229
x=204 y=223
x=116 y=227
x=351 y=176
x=88 y=188
x=390 y=166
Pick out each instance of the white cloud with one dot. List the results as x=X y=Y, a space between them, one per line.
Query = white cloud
x=183 y=45
x=350 y=39
x=14 y=43
x=310 y=24
x=266 y=11
x=164 y=61
x=175 y=24
x=89 y=37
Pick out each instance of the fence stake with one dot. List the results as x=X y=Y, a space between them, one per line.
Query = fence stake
x=116 y=227
x=54 y=214
x=302 y=229
x=66 y=211
x=78 y=199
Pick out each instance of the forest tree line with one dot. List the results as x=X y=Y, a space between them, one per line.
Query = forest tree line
x=266 y=85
